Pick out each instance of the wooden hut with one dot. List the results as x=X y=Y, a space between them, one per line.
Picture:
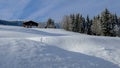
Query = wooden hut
x=30 y=24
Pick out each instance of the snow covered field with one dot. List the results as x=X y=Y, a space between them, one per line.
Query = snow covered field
x=56 y=48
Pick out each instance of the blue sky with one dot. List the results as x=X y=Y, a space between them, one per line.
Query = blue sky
x=41 y=10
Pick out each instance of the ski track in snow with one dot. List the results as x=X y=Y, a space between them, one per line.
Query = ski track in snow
x=56 y=48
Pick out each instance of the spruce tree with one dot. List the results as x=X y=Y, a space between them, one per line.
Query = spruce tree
x=106 y=23
x=88 y=25
x=81 y=24
x=77 y=22
x=50 y=24
x=73 y=24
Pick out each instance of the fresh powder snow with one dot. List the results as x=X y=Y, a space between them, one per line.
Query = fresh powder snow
x=56 y=48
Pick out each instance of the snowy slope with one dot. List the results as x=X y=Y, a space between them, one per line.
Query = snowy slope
x=107 y=48
x=56 y=48
x=17 y=53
